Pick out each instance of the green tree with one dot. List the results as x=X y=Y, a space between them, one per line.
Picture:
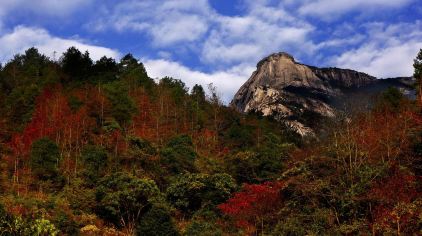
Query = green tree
x=191 y=192
x=176 y=87
x=263 y=163
x=178 y=155
x=95 y=160
x=75 y=64
x=204 y=223
x=123 y=107
x=417 y=65
x=141 y=153
x=198 y=93
x=23 y=79
x=391 y=99
x=105 y=69
x=134 y=73
x=123 y=199
x=157 y=221
x=128 y=63
x=45 y=156
x=244 y=166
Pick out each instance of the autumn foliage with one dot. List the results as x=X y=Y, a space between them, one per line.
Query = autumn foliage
x=254 y=205
x=397 y=206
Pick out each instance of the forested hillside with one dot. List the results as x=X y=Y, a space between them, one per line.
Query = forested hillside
x=100 y=148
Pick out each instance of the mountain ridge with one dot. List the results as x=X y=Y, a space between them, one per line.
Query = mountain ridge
x=287 y=90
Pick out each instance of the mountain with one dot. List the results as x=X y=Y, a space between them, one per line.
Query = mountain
x=298 y=95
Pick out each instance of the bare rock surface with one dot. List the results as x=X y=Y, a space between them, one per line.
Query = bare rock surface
x=288 y=91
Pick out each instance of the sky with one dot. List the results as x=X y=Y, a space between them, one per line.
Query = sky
x=220 y=41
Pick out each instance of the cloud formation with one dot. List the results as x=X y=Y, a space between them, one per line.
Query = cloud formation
x=388 y=50
x=226 y=81
x=166 y=22
x=22 y=38
x=330 y=9
x=45 y=7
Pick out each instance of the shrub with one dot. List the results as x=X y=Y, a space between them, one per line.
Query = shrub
x=157 y=221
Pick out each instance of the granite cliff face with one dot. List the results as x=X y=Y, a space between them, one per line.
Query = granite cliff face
x=295 y=94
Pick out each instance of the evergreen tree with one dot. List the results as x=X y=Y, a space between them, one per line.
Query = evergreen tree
x=76 y=65
x=45 y=157
x=417 y=65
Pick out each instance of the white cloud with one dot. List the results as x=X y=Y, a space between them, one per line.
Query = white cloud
x=392 y=61
x=181 y=28
x=262 y=30
x=193 y=24
x=249 y=38
x=341 y=42
x=227 y=81
x=45 y=7
x=330 y=8
x=22 y=38
x=388 y=50
x=166 y=22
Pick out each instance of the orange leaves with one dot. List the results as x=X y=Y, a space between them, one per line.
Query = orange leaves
x=378 y=136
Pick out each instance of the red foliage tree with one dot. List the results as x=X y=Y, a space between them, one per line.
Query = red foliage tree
x=396 y=206
x=254 y=205
x=53 y=118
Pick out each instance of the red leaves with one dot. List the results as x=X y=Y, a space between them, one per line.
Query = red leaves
x=256 y=202
x=395 y=197
x=397 y=188
x=53 y=118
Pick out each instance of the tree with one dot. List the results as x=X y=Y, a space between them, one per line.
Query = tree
x=178 y=155
x=391 y=99
x=263 y=163
x=24 y=77
x=105 y=69
x=396 y=203
x=176 y=87
x=216 y=103
x=123 y=107
x=134 y=73
x=95 y=160
x=190 y=192
x=123 y=199
x=141 y=153
x=204 y=223
x=75 y=64
x=45 y=157
x=198 y=93
x=417 y=65
x=128 y=62
x=255 y=204
x=157 y=221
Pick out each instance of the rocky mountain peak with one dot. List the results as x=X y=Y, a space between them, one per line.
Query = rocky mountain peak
x=294 y=93
x=276 y=57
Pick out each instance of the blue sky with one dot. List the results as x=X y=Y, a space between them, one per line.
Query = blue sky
x=220 y=41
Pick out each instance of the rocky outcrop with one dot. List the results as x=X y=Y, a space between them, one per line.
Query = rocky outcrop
x=295 y=93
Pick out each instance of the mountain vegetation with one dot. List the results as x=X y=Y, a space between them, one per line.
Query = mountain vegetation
x=100 y=148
